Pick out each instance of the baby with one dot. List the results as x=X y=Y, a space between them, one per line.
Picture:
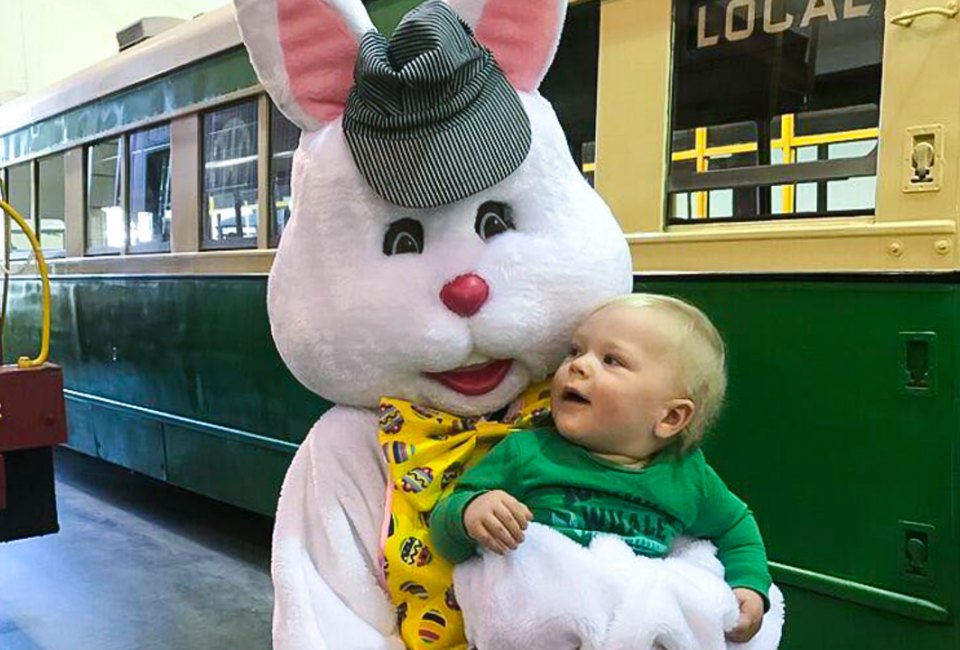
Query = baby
x=643 y=380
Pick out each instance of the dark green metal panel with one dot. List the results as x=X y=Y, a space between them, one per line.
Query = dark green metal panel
x=81 y=428
x=177 y=378
x=245 y=475
x=820 y=436
x=820 y=623
x=198 y=348
x=119 y=438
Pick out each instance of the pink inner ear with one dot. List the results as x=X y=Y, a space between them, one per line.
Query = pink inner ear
x=522 y=36
x=319 y=53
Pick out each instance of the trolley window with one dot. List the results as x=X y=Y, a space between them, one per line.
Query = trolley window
x=775 y=108
x=149 y=190
x=106 y=218
x=284 y=137
x=230 y=168
x=51 y=199
x=19 y=189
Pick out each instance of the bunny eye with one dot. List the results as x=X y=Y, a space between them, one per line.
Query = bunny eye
x=493 y=218
x=404 y=236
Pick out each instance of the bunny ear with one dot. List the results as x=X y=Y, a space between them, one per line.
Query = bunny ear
x=522 y=34
x=304 y=52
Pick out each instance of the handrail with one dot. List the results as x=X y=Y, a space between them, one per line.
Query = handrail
x=27 y=362
x=907 y=17
x=766 y=175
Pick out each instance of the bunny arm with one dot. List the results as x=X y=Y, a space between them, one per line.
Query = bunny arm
x=326 y=538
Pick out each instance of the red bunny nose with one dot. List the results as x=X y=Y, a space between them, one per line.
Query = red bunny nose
x=465 y=294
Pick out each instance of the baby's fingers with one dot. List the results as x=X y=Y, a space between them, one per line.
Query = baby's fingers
x=485 y=539
x=520 y=512
x=514 y=527
x=745 y=629
x=498 y=532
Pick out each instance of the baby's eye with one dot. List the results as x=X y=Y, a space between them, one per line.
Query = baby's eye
x=611 y=360
x=574 y=351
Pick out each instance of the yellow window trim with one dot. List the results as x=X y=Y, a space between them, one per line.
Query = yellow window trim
x=849 y=244
x=864 y=226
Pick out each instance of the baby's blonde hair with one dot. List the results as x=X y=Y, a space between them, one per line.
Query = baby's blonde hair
x=702 y=357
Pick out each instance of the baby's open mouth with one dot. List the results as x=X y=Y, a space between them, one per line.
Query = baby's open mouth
x=574 y=396
x=477 y=379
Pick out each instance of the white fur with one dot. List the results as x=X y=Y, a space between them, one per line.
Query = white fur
x=353 y=325
x=326 y=544
x=602 y=598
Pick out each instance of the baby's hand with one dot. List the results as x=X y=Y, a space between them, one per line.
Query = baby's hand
x=497 y=520
x=751 y=615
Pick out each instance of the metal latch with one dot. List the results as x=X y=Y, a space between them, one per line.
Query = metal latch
x=923 y=158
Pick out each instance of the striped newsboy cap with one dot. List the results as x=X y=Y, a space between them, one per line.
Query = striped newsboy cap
x=431 y=119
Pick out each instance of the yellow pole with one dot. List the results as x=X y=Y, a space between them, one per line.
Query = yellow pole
x=786 y=143
x=703 y=164
x=27 y=362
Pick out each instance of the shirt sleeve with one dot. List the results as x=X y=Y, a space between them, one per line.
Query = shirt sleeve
x=728 y=522
x=499 y=470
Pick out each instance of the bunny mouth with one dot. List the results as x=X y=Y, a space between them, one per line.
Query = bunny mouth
x=477 y=379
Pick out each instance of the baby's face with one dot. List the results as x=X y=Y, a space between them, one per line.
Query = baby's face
x=617 y=382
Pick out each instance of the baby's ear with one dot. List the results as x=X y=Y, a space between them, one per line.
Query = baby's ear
x=678 y=415
x=522 y=34
x=304 y=52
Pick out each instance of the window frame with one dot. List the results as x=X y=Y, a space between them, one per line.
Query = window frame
x=152 y=247
x=50 y=253
x=239 y=243
x=787 y=184
x=5 y=219
x=31 y=217
x=106 y=251
x=273 y=236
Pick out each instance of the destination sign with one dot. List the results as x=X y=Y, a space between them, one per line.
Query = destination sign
x=745 y=18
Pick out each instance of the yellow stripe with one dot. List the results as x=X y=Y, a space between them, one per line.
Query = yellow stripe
x=833 y=138
x=798 y=141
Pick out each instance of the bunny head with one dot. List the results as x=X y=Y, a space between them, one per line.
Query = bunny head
x=450 y=266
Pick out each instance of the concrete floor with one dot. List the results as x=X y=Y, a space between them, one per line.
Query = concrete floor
x=137 y=565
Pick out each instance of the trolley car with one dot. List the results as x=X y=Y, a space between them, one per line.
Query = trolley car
x=788 y=165
x=159 y=184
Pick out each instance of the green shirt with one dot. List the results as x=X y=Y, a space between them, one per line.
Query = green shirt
x=581 y=495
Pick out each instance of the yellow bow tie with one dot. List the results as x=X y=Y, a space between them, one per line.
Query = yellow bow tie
x=426 y=451
x=441 y=445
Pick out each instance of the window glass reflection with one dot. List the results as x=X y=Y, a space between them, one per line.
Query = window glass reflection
x=18 y=191
x=230 y=197
x=149 y=187
x=106 y=219
x=284 y=137
x=51 y=194
x=775 y=108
